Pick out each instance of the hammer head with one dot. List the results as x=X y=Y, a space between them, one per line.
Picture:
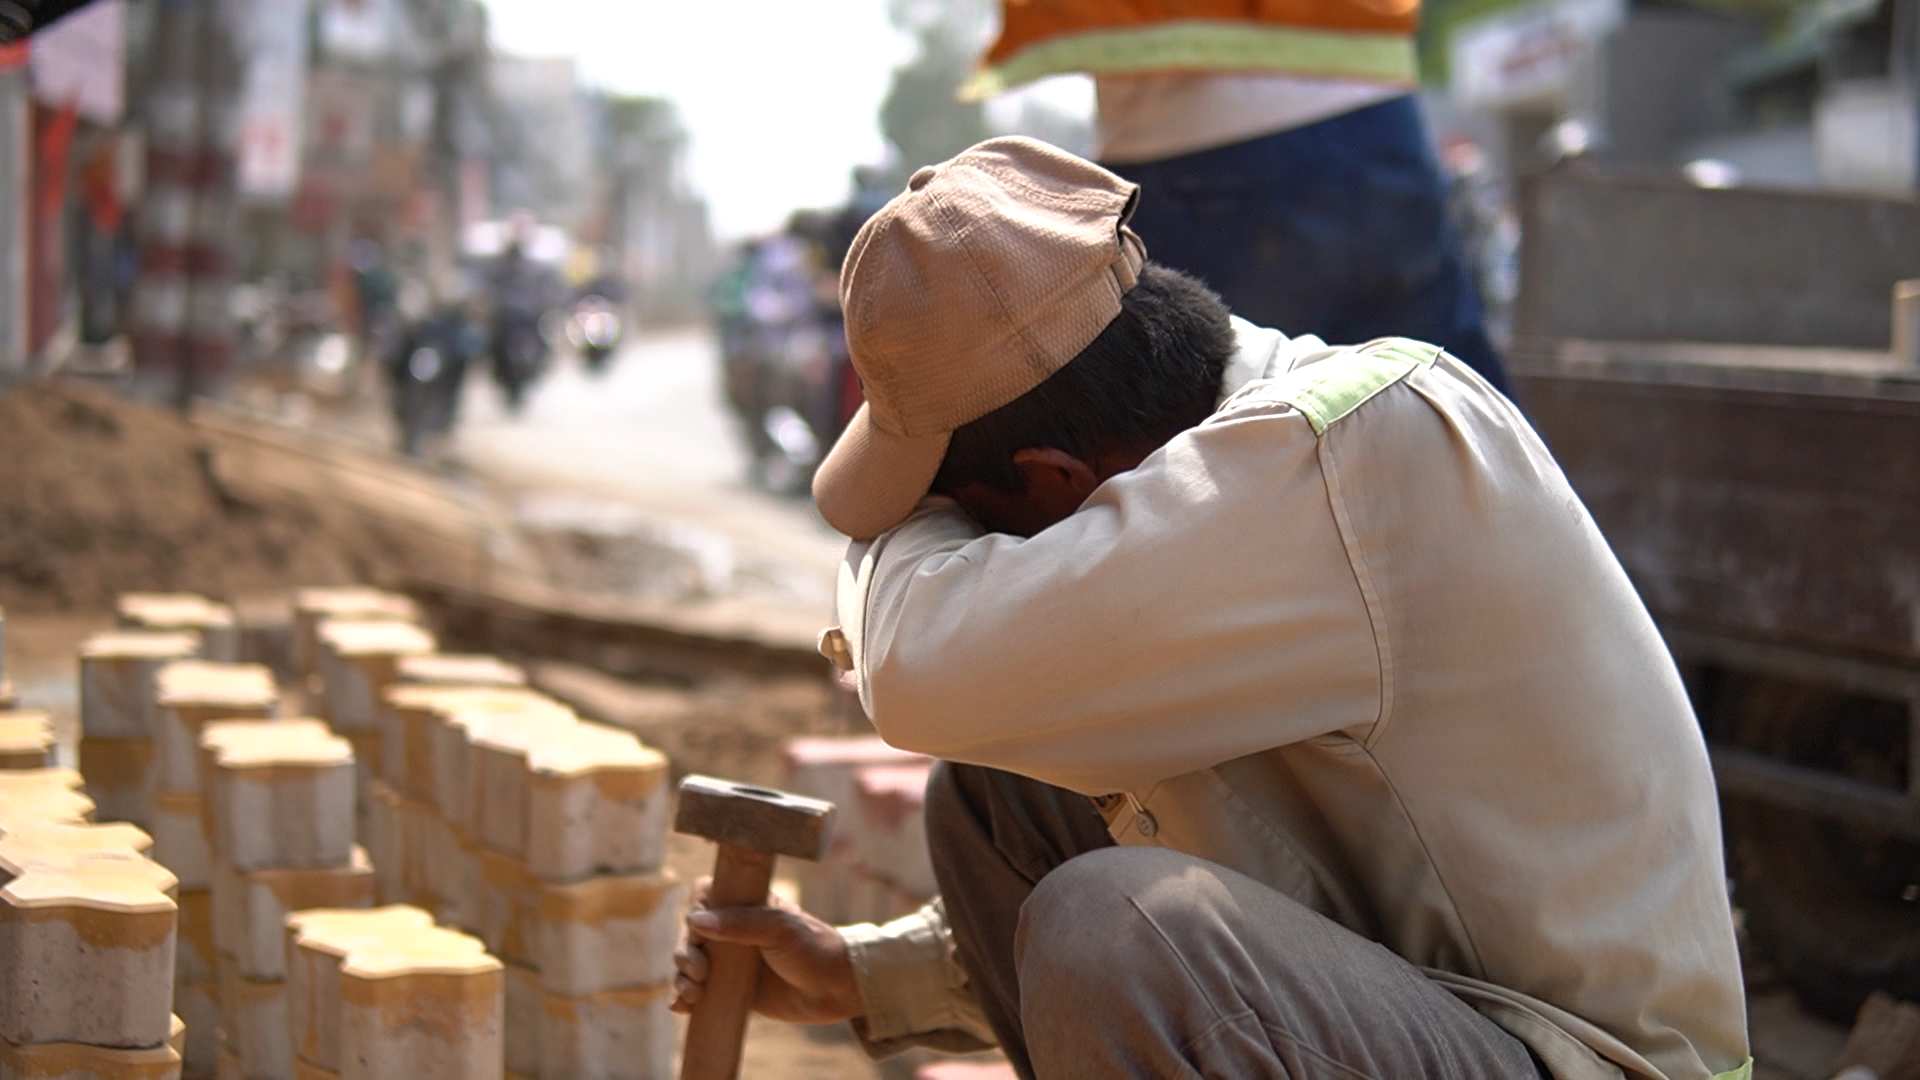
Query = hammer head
x=755 y=818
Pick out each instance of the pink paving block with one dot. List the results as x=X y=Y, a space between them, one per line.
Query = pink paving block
x=966 y=1070
x=891 y=836
x=824 y=768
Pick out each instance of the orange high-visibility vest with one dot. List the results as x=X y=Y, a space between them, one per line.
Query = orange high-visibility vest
x=1357 y=39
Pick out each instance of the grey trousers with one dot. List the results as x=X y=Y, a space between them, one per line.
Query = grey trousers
x=1093 y=960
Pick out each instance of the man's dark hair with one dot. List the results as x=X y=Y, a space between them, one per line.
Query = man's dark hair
x=1151 y=374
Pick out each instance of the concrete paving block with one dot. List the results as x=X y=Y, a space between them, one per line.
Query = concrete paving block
x=457 y=789
x=616 y=1035
x=61 y=846
x=877 y=899
x=596 y=804
x=26 y=740
x=524 y=1002
x=121 y=777
x=412 y=715
x=77 y=841
x=87 y=953
x=251 y=908
x=281 y=797
x=356 y=663
x=116 y=679
x=314 y=605
x=458 y=669
x=823 y=767
x=608 y=933
x=441 y=858
x=462 y=905
x=317 y=943
x=43 y=795
x=198 y=1003
x=508 y=907
x=254 y=1017
x=194 y=953
x=891 y=835
x=499 y=767
x=188 y=694
x=386 y=842
x=966 y=1070
x=430 y=1010
x=188 y=612
x=77 y=1061
x=180 y=838
x=218 y=735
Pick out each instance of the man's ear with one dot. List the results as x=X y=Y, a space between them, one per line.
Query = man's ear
x=1055 y=477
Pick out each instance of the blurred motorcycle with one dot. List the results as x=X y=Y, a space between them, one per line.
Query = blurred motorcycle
x=594 y=329
x=428 y=370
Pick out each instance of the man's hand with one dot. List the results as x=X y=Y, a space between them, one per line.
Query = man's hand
x=806 y=976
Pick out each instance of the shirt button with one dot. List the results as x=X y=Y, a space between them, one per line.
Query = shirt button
x=1146 y=824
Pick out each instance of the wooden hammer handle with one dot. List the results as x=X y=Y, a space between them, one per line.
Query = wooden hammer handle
x=717 y=1030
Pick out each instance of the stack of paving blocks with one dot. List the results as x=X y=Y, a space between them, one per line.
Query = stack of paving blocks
x=35 y=795
x=279 y=820
x=878 y=867
x=26 y=740
x=187 y=612
x=157 y=781
x=357 y=660
x=87 y=939
x=384 y=993
x=117 y=722
x=543 y=834
x=7 y=698
x=311 y=607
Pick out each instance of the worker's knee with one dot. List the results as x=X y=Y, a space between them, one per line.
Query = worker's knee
x=1095 y=907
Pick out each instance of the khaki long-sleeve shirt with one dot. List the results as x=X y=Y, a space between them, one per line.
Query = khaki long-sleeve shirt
x=1355 y=637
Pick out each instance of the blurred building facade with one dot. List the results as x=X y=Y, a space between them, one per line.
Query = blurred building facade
x=180 y=189
x=1824 y=93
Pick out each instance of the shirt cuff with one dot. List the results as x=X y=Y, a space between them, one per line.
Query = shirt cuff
x=914 y=990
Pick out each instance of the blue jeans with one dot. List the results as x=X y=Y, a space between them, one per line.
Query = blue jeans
x=1338 y=228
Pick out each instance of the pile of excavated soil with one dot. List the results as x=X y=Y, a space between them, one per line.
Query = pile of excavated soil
x=100 y=495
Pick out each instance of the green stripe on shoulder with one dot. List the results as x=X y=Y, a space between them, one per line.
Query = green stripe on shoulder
x=1744 y=1072
x=1331 y=389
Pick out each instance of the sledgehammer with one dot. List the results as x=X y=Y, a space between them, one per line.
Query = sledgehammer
x=751 y=825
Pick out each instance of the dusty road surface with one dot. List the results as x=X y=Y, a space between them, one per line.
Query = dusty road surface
x=653 y=432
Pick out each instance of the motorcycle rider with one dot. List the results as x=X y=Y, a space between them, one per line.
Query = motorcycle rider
x=521 y=291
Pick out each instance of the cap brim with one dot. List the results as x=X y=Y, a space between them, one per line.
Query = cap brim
x=871 y=480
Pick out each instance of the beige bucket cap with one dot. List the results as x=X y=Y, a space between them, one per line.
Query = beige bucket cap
x=967 y=290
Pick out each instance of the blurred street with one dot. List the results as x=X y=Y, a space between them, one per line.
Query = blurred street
x=651 y=432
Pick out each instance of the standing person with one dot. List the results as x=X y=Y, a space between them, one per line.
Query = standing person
x=1264 y=138
x=1295 y=719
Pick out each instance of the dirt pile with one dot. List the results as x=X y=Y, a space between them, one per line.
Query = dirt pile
x=99 y=495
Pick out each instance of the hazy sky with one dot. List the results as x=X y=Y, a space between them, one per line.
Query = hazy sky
x=780 y=96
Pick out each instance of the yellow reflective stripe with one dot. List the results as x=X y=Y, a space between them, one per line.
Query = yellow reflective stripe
x=1744 y=1072
x=1207 y=45
x=1326 y=391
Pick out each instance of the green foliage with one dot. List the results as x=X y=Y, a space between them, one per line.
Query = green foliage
x=922 y=116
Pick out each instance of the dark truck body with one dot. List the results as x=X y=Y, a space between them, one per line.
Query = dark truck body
x=1712 y=369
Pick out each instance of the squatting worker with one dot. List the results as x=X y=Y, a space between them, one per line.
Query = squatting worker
x=1267 y=136
x=1295 y=720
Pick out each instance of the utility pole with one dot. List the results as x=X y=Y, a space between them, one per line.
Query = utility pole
x=183 y=322
x=16 y=158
